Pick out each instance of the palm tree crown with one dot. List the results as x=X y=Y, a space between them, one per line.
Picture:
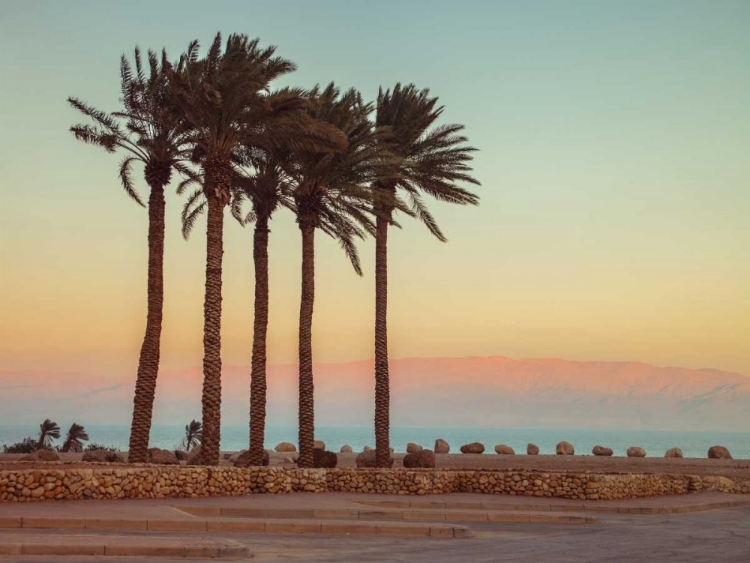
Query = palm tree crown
x=193 y=435
x=154 y=132
x=433 y=157
x=73 y=441
x=48 y=430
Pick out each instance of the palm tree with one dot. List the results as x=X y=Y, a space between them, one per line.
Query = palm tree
x=193 y=435
x=331 y=193
x=48 y=430
x=432 y=160
x=76 y=435
x=153 y=135
x=224 y=97
x=267 y=189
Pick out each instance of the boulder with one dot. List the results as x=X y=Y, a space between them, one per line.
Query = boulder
x=441 y=446
x=422 y=458
x=41 y=455
x=367 y=459
x=103 y=456
x=319 y=444
x=241 y=459
x=285 y=447
x=565 y=448
x=673 y=452
x=532 y=449
x=183 y=456
x=162 y=457
x=346 y=449
x=194 y=456
x=323 y=458
x=412 y=448
x=602 y=451
x=502 y=449
x=635 y=451
x=473 y=448
x=716 y=452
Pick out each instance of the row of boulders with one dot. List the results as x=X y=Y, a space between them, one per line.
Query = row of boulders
x=324 y=458
x=714 y=452
x=562 y=448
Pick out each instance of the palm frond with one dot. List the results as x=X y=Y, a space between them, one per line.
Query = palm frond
x=127 y=181
x=193 y=209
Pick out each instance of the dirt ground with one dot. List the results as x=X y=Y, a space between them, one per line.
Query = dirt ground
x=737 y=470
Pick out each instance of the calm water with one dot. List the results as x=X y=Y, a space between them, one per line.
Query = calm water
x=693 y=444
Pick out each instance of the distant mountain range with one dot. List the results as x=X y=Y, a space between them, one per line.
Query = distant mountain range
x=494 y=391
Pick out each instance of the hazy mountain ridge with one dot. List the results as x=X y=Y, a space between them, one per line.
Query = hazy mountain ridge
x=472 y=391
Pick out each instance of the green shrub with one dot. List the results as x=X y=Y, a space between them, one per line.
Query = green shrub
x=26 y=446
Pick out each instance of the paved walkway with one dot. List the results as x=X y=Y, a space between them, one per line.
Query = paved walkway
x=169 y=509
x=341 y=527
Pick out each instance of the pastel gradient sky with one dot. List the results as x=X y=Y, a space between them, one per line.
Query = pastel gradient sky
x=615 y=170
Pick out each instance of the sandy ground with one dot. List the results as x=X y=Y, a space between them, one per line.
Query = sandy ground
x=738 y=470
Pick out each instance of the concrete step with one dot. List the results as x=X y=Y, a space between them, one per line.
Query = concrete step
x=151 y=546
x=605 y=507
x=416 y=514
x=289 y=525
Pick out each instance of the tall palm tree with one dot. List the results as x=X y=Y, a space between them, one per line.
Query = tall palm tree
x=193 y=435
x=154 y=135
x=76 y=435
x=331 y=193
x=267 y=189
x=48 y=430
x=433 y=159
x=224 y=97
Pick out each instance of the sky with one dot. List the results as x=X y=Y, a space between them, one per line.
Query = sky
x=613 y=160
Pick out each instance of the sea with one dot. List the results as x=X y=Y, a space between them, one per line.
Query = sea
x=235 y=438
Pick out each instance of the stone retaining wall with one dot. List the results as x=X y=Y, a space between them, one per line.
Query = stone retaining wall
x=103 y=481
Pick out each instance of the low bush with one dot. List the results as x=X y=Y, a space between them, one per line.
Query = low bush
x=26 y=446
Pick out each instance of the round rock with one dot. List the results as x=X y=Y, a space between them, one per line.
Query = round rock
x=412 y=448
x=718 y=452
x=473 y=448
x=367 y=459
x=565 y=448
x=441 y=446
x=421 y=459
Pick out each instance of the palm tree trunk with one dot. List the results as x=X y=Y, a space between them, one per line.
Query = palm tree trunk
x=148 y=363
x=260 y=329
x=211 y=399
x=382 y=384
x=306 y=391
